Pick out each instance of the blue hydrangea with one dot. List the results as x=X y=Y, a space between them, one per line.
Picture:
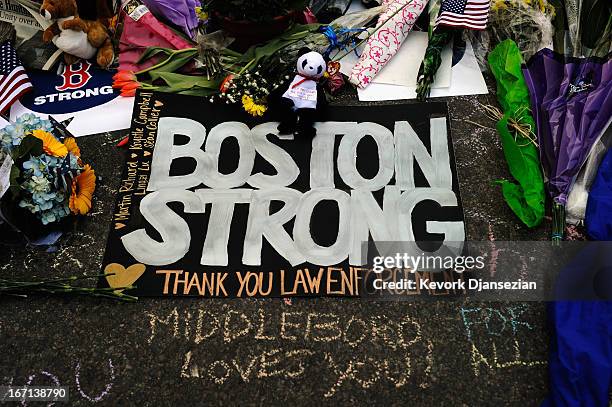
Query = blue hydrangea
x=43 y=196
x=41 y=165
x=35 y=165
x=12 y=135
x=44 y=192
x=57 y=212
x=44 y=200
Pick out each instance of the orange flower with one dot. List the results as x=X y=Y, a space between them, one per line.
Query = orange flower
x=126 y=81
x=51 y=145
x=225 y=84
x=130 y=89
x=122 y=78
x=83 y=187
x=72 y=146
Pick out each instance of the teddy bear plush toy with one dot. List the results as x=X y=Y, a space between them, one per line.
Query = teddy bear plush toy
x=304 y=97
x=77 y=37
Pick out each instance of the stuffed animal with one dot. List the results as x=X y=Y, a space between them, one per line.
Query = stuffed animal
x=304 y=96
x=101 y=13
x=77 y=37
x=335 y=80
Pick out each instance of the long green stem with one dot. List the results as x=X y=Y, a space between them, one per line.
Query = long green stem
x=558 y=226
x=166 y=61
x=63 y=286
x=247 y=66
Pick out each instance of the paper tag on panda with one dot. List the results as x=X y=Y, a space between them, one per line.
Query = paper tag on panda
x=302 y=93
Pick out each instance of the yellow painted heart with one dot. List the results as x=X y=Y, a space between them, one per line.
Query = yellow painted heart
x=119 y=226
x=121 y=276
x=147 y=153
x=158 y=103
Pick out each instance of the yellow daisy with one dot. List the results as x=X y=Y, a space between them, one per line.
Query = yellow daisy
x=72 y=146
x=251 y=107
x=51 y=145
x=83 y=187
x=202 y=15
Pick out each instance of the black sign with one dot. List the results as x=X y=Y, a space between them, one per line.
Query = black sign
x=214 y=203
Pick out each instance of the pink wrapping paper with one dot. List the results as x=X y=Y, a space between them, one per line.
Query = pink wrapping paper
x=386 y=41
x=143 y=32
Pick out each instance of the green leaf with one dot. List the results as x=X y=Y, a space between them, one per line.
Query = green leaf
x=15 y=173
x=431 y=62
x=150 y=52
x=29 y=145
x=182 y=82
x=231 y=53
x=255 y=55
x=175 y=61
x=14 y=184
x=202 y=92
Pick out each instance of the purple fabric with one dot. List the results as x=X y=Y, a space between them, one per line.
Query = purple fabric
x=567 y=126
x=178 y=12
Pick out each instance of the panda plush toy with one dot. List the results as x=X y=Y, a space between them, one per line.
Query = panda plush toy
x=304 y=96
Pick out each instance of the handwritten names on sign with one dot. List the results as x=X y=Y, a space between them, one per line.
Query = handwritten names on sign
x=138 y=165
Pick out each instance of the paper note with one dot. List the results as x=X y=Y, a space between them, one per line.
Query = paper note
x=403 y=68
x=466 y=80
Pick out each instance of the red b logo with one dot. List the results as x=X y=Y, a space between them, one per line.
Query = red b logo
x=75 y=78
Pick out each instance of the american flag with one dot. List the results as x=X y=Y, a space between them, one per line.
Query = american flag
x=14 y=81
x=471 y=14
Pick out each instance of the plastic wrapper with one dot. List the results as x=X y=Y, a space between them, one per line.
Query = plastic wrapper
x=359 y=18
x=319 y=42
x=580 y=359
x=572 y=17
x=529 y=25
x=579 y=195
x=142 y=30
x=571 y=100
x=525 y=196
x=209 y=48
x=180 y=13
x=329 y=10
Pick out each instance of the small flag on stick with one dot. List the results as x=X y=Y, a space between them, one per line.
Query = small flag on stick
x=471 y=14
